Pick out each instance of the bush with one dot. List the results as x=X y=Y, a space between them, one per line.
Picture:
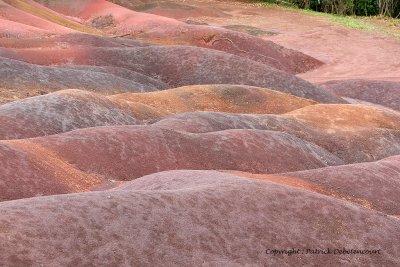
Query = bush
x=348 y=7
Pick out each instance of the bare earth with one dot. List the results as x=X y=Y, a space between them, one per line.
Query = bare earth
x=195 y=133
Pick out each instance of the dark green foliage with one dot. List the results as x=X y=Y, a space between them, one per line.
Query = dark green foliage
x=347 y=7
x=366 y=8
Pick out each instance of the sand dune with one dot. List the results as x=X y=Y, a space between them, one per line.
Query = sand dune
x=19 y=30
x=30 y=8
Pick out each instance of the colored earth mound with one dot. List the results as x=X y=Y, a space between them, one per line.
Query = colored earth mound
x=195 y=133
x=71 y=40
x=365 y=141
x=222 y=98
x=16 y=73
x=170 y=149
x=179 y=66
x=372 y=185
x=190 y=217
x=61 y=112
x=383 y=93
x=75 y=109
x=134 y=151
x=30 y=171
x=161 y=30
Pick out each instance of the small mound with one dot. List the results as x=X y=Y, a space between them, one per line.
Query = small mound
x=85 y=159
x=179 y=66
x=40 y=11
x=27 y=77
x=353 y=145
x=10 y=29
x=232 y=42
x=120 y=21
x=65 y=111
x=140 y=81
x=221 y=98
x=373 y=185
x=25 y=19
x=123 y=18
x=378 y=92
x=205 y=122
x=29 y=170
x=146 y=226
x=134 y=151
x=348 y=116
x=71 y=40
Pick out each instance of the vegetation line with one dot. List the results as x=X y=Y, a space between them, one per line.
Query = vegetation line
x=389 y=8
x=380 y=24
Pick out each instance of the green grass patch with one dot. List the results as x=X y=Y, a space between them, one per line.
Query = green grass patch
x=347 y=21
x=353 y=22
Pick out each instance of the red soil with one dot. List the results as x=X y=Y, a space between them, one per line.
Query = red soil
x=66 y=111
x=28 y=20
x=297 y=191
x=29 y=170
x=236 y=43
x=162 y=30
x=24 y=79
x=372 y=185
x=176 y=10
x=345 y=60
x=72 y=40
x=190 y=217
x=338 y=47
x=351 y=144
x=64 y=163
x=153 y=149
x=343 y=117
x=221 y=98
x=180 y=65
x=11 y=29
x=383 y=93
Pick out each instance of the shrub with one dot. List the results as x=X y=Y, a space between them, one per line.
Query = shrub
x=348 y=7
